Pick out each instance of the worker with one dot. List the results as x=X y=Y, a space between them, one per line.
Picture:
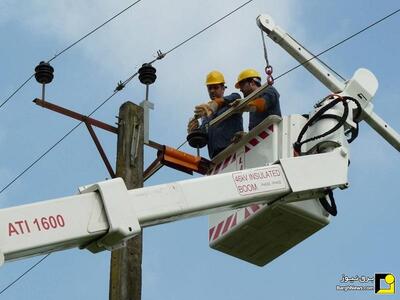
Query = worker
x=219 y=136
x=248 y=81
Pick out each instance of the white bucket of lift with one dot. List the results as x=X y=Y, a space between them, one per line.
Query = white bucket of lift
x=260 y=233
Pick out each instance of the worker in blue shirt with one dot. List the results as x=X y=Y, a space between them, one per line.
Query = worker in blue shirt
x=248 y=81
x=219 y=136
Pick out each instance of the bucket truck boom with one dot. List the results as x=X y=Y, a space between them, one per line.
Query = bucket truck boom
x=103 y=215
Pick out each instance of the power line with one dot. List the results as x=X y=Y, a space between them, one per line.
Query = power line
x=38 y=159
x=209 y=26
x=341 y=42
x=69 y=47
x=94 y=30
x=23 y=274
x=17 y=90
x=161 y=55
x=54 y=145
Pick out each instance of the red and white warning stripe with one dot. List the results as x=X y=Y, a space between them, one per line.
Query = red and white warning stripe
x=259 y=138
x=222 y=165
x=222 y=227
x=251 y=210
x=249 y=146
x=231 y=221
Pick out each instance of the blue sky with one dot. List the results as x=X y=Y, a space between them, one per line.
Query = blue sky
x=178 y=264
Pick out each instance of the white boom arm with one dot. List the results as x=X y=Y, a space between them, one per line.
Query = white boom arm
x=106 y=214
x=362 y=86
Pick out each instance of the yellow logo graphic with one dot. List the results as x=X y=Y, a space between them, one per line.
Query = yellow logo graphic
x=384 y=283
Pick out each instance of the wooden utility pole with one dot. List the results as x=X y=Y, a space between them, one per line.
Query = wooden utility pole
x=126 y=263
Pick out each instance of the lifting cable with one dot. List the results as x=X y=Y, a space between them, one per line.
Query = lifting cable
x=268 y=67
x=69 y=47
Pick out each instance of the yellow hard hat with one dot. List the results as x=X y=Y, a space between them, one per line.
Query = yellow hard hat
x=248 y=73
x=215 y=77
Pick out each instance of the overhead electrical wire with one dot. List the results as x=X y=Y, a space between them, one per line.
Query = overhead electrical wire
x=135 y=74
x=209 y=26
x=94 y=30
x=69 y=47
x=24 y=273
x=162 y=55
x=341 y=42
x=16 y=91
x=54 y=145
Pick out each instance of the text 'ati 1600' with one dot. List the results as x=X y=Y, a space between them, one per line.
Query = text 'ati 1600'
x=21 y=227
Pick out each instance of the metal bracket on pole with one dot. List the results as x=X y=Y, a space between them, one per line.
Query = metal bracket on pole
x=89 y=122
x=135 y=140
x=123 y=223
x=100 y=149
x=146 y=104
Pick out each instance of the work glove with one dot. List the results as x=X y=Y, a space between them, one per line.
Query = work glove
x=192 y=125
x=249 y=108
x=203 y=110
x=207 y=109
x=257 y=105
